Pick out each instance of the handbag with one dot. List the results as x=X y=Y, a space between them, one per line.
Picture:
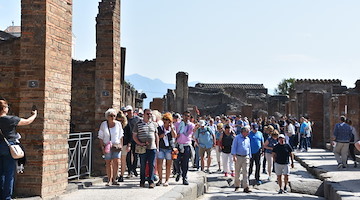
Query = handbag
x=15 y=150
x=140 y=149
x=114 y=147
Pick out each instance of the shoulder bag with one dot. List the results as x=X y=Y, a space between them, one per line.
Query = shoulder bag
x=15 y=149
x=114 y=147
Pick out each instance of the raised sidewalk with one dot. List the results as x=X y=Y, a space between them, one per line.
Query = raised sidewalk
x=343 y=183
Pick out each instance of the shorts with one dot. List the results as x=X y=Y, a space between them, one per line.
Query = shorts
x=112 y=155
x=282 y=169
x=124 y=150
x=164 y=153
x=203 y=150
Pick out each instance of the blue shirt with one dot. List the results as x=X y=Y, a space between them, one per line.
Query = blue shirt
x=256 y=141
x=204 y=137
x=342 y=132
x=241 y=146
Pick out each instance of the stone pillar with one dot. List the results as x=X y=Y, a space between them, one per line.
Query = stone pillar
x=182 y=91
x=45 y=80
x=108 y=68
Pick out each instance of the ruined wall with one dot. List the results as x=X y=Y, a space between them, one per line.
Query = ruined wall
x=9 y=67
x=157 y=104
x=83 y=96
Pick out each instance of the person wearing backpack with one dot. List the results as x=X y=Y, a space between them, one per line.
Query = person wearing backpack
x=205 y=139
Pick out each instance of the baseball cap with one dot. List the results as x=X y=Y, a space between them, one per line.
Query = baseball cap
x=281 y=136
x=202 y=122
x=128 y=107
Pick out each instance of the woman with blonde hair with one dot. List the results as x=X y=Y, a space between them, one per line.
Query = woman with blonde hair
x=111 y=135
x=268 y=146
x=126 y=145
x=167 y=135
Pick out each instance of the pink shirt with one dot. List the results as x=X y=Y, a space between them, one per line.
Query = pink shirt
x=185 y=132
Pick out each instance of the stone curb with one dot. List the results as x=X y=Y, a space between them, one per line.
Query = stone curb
x=196 y=188
x=332 y=190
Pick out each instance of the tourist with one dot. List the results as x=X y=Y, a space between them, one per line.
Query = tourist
x=205 y=139
x=268 y=146
x=241 y=152
x=238 y=124
x=281 y=153
x=145 y=135
x=290 y=133
x=126 y=145
x=341 y=138
x=225 y=142
x=184 y=141
x=266 y=135
x=256 y=142
x=111 y=135
x=354 y=138
x=167 y=135
x=132 y=157
x=8 y=126
x=218 y=132
x=305 y=133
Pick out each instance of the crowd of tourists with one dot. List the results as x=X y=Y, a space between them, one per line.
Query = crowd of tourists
x=180 y=140
x=129 y=140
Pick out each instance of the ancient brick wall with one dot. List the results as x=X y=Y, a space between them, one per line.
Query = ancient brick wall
x=157 y=104
x=46 y=58
x=9 y=67
x=83 y=96
x=315 y=111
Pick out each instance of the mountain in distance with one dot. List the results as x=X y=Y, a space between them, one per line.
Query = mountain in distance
x=153 y=88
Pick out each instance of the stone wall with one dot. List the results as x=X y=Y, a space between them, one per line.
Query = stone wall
x=157 y=104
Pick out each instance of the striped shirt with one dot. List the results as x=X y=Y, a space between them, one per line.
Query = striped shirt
x=146 y=133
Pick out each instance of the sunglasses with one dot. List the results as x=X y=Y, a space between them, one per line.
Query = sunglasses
x=112 y=115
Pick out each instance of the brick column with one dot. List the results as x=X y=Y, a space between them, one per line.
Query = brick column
x=45 y=80
x=182 y=91
x=108 y=68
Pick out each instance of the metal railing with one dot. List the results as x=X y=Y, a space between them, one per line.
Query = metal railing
x=80 y=145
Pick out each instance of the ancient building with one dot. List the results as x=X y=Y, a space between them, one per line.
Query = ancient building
x=249 y=100
x=324 y=101
x=37 y=69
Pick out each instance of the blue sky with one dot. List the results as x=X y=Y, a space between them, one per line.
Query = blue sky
x=228 y=41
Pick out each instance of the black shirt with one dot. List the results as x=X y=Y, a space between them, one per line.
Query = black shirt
x=8 y=127
x=127 y=135
x=162 y=131
x=282 y=153
x=227 y=141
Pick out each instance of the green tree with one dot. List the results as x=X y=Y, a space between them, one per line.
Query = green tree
x=285 y=86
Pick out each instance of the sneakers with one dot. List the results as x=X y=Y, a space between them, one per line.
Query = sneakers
x=281 y=191
x=285 y=190
x=340 y=165
x=264 y=172
x=185 y=181
x=166 y=184
x=269 y=178
x=120 y=179
x=247 y=190
x=135 y=173
x=232 y=174
x=258 y=182
x=226 y=174
x=158 y=183
x=151 y=185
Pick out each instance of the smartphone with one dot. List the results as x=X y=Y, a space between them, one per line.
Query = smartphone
x=34 y=108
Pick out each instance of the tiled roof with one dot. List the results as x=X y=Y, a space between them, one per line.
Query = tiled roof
x=318 y=80
x=5 y=36
x=13 y=29
x=230 y=85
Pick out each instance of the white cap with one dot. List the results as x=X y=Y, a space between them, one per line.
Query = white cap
x=202 y=122
x=128 y=107
x=281 y=136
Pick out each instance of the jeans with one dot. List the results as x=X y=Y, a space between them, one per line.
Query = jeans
x=182 y=163
x=304 y=143
x=7 y=172
x=147 y=157
x=255 y=158
x=197 y=157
